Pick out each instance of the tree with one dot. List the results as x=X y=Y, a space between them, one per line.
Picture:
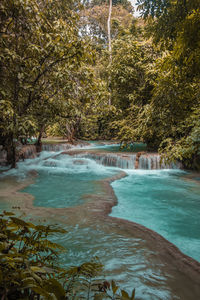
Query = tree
x=40 y=47
x=98 y=25
x=125 y=3
x=94 y=22
x=109 y=44
x=174 y=107
x=132 y=84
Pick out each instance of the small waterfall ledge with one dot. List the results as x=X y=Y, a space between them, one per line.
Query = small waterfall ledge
x=111 y=160
x=27 y=151
x=56 y=147
x=140 y=160
x=63 y=146
x=23 y=152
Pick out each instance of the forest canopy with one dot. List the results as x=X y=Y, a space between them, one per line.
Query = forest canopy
x=57 y=76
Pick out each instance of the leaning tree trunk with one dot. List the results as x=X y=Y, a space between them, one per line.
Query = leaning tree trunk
x=109 y=45
x=14 y=155
x=70 y=130
x=10 y=148
x=38 y=143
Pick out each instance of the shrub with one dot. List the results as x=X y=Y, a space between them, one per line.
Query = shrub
x=29 y=269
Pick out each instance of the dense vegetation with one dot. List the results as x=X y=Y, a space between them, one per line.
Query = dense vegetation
x=58 y=77
x=29 y=267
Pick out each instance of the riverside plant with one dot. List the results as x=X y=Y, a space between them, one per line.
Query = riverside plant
x=29 y=267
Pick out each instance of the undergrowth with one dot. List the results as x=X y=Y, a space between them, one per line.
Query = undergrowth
x=29 y=267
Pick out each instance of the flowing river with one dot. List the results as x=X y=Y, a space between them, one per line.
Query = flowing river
x=94 y=192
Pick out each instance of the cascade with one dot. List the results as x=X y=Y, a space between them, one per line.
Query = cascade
x=23 y=152
x=56 y=147
x=112 y=160
x=130 y=161
x=28 y=151
x=153 y=162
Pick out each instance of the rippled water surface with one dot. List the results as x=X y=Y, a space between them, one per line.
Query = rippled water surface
x=162 y=200
x=63 y=181
x=127 y=260
x=165 y=202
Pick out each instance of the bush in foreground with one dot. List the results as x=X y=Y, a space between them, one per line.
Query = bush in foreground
x=28 y=268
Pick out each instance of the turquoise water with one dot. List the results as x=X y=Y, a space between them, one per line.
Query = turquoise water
x=165 y=202
x=126 y=260
x=62 y=190
x=63 y=181
x=137 y=147
x=162 y=200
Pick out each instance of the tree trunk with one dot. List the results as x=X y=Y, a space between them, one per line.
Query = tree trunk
x=109 y=44
x=10 y=148
x=109 y=27
x=70 y=133
x=13 y=165
x=38 y=142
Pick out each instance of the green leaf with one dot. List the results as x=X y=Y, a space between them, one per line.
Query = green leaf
x=54 y=286
x=37 y=269
x=99 y=296
x=114 y=287
x=133 y=295
x=42 y=292
x=125 y=295
x=8 y=213
x=19 y=222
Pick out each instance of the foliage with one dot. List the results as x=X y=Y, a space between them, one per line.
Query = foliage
x=167 y=17
x=129 y=82
x=56 y=75
x=28 y=266
x=94 y=22
x=27 y=258
x=174 y=107
x=125 y=3
x=166 y=116
x=186 y=148
x=40 y=51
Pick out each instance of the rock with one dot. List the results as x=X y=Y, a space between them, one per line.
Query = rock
x=80 y=162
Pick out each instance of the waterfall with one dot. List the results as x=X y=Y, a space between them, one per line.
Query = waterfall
x=28 y=151
x=153 y=162
x=56 y=147
x=130 y=161
x=139 y=160
x=112 y=160
x=23 y=152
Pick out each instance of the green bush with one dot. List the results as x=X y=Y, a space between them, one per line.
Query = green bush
x=28 y=267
